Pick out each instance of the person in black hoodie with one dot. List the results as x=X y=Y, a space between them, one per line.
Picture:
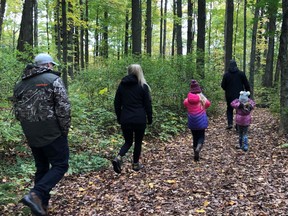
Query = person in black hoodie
x=133 y=109
x=233 y=82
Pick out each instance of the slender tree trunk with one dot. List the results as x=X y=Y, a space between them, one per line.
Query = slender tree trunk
x=165 y=28
x=76 y=50
x=209 y=32
x=136 y=27
x=200 y=62
x=58 y=29
x=189 y=27
x=253 y=49
x=284 y=70
x=82 y=63
x=236 y=30
x=179 y=28
x=64 y=43
x=35 y=32
x=105 y=36
x=47 y=24
x=174 y=29
x=86 y=33
x=70 y=41
x=161 y=28
x=148 y=28
x=245 y=36
x=228 y=32
x=126 y=40
x=2 y=12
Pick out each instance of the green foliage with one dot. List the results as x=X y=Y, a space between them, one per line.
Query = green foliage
x=266 y=97
x=285 y=145
x=86 y=162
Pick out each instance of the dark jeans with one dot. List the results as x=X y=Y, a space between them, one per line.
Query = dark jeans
x=243 y=131
x=131 y=131
x=198 y=137
x=229 y=113
x=55 y=154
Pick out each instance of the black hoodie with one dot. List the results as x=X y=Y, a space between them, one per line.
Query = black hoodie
x=132 y=102
x=233 y=82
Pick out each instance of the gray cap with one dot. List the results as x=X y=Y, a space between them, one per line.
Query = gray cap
x=44 y=58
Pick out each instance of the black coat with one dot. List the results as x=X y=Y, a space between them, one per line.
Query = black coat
x=233 y=82
x=132 y=102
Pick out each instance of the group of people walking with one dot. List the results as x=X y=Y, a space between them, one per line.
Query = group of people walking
x=42 y=106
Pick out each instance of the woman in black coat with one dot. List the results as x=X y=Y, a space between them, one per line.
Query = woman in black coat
x=133 y=109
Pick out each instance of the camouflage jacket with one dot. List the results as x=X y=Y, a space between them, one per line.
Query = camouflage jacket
x=41 y=105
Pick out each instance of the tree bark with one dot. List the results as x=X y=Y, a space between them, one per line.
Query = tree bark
x=25 y=40
x=253 y=49
x=200 y=62
x=179 y=28
x=86 y=32
x=64 y=43
x=228 y=32
x=284 y=70
x=148 y=28
x=189 y=27
x=136 y=27
x=2 y=12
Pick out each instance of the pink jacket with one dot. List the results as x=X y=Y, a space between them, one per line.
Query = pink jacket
x=196 y=105
x=243 y=116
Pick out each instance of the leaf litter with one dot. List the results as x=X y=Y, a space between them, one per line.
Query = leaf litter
x=226 y=180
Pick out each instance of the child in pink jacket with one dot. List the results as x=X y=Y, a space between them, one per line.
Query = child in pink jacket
x=243 y=106
x=196 y=104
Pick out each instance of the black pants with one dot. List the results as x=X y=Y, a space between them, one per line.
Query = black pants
x=55 y=154
x=198 y=137
x=130 y=132
x=229 y=113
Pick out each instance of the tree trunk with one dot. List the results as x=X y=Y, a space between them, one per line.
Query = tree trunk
x=200 y=62
x=70 y=41
x=253 y=49
x=161 y=28
x=105 y=35
x=35 y=32
x=179 y=28
x=228 y=32
x=136 y=27
x=268 y=76
x=86 y=32
x=126 y=40
x=25 y=40
x=58 y=29
x=64 y=43
x=209 y=32
x=189 y=27
x=165 y=28
x=148 y=28
x=245 y=36
x=2 y=12
x=82 y=63
x=174 y=29
x=236 y=30
x=47 y=24
x=284 y=70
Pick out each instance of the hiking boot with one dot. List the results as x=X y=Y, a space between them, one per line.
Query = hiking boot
x=230 y=126
x=137 y=166
x=34 y=203
x=117 y=162
x=196 y=156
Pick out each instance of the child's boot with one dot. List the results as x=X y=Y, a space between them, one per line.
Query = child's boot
x=245 y=145
x=137 y=166
x=240 y=144
x=117 y=162
x=197 y=151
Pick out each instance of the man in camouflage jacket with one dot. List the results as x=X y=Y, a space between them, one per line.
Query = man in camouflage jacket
x=41 y=105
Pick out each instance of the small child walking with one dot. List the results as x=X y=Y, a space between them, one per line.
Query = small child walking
x=196 y=104
x=243 y=107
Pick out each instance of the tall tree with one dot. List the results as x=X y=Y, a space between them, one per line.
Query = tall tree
x=64 y=42
x=35 y=33
x=284 y=70
x=253 y=48
x=2 y=12
x=228 y=32
x=81 y=48
x=148 y=28
x=179 y=28
x=26 y=29
x=86 y=33
x=136 y=27
x=165 y=28
x=272 y=13
x=70 y=31
x=161 y=28
x=245 y=36
x=200 y=62
x=189 y=27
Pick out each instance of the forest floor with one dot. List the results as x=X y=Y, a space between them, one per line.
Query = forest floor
x=226 y=180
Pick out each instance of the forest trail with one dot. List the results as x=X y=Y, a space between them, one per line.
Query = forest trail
x=226 y=181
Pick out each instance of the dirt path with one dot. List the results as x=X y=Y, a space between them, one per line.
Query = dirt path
x=226 y=181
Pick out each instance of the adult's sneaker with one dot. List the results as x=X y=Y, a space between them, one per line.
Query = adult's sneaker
x=117 y=162
x=34 y=203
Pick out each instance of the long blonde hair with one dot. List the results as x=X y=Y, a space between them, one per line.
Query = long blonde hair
x=138 y=72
